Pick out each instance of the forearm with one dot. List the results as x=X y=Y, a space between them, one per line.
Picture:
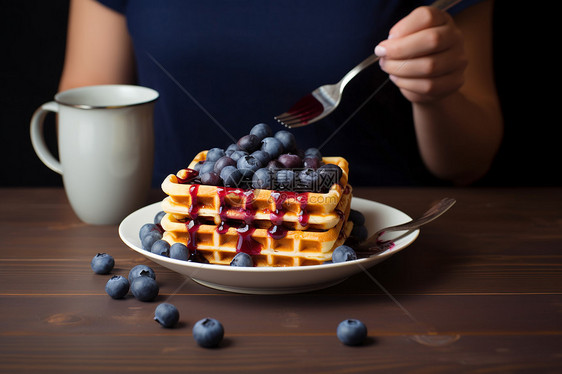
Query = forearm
x=458 y=136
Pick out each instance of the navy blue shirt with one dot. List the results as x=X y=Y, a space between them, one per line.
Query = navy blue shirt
x=223 y=66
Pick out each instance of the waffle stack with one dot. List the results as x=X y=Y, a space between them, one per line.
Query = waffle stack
x=277 y=228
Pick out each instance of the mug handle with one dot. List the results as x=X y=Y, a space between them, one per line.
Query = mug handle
x=37 y=139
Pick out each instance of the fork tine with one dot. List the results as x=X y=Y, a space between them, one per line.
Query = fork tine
x=299 y=111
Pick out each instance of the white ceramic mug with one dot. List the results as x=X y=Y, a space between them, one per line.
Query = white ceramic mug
x=106 y=148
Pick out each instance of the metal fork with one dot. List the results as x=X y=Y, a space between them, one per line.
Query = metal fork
x=325 y=99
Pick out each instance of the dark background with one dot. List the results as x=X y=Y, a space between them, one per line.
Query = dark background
x=33 y=41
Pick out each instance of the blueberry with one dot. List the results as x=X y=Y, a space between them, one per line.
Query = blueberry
x=286 y=179
x=343 y=253
x=167 y=315
x=208 y=332
x=147 y=228
x=248 y=162
x=231 y=148
x=273 y=146
x=246 y=180
x=249 y=143
x=158 y=217
x=199 y=258
x=207 y=167
x=144 y=288
x=214 y=154
x=274 y=166
x=161 y=247
x=359 y=233
x=237 y=154
x=211 y=179
x=263 y=179
x=290 y=161
x=356 y=217
x=198 y=165
x=222 y=162
x=242 y=259
x=262 y=156
x=330 y=173
x=102 y=263
x=231 y=176
x=141 y=271
x=312 y=162
x=287 y=139
x=179 y=251
x=309 y=180
x=149 y=239
x=117 y=287
x=313 y=152
x=261 y=130
x=352 y=332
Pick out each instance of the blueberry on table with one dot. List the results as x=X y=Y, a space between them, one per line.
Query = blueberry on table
x=139 y=271
x=352 y=332
x=158 y=217
x=343 y=253
x=214 y=154
x=102 y=263
x=287 y=139
x=179 y=251
x=144 y=288
x=117 y=287
x=242 y=260
x=261 y=130
x=208 y=332
x=161 y=247
x=167 y=315
x=273 y=146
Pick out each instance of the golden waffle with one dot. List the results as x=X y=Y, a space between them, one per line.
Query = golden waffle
x=298 y=211
x=220 y=243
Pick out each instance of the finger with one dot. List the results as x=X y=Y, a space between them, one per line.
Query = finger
x=426 y=42
x=419 y=19
x=435 y=65
x=428 y=89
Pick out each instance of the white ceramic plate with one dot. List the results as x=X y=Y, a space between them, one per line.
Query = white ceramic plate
x=275 y=280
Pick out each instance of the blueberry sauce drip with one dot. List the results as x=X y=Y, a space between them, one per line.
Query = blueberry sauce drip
x=194 y=207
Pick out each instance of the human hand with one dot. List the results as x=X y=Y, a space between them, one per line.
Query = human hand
x=424 y=55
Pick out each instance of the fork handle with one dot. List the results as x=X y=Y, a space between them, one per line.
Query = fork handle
x=353 y=72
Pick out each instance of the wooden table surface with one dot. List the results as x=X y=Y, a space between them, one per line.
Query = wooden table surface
x=479 y=291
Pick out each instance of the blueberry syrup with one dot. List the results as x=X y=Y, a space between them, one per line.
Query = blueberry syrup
x=194 y=207
x=192 y=228
x=245 y=241
x=189 y=176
